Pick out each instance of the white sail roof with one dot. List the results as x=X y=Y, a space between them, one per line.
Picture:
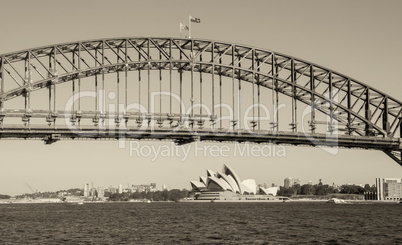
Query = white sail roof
x=198 y=186
x=250 y=185
x=210 y=173
x=220 y=182
x=227 y=180
x=269 y=191
x=203 y=180
x=230 y=181
x=228 y=171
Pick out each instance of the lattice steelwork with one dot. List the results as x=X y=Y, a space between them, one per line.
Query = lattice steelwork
x=186 y=90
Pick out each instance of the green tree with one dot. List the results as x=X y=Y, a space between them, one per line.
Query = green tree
x=158 y=196
x=320 y=190
x=296 y=189
x=177 y=194
x=287 y=192
x=369 y=188
x=307 y=189
x=352 y=189
x=166 y=195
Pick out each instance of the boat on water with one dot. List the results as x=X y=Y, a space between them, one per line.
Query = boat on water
x=336 y=200
x=140 y=200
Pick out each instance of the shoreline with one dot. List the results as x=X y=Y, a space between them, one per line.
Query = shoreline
x=350 y=201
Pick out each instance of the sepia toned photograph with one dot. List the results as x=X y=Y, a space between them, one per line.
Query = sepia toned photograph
x=200 y=122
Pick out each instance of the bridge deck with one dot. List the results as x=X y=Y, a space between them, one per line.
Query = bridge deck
x=186 y=136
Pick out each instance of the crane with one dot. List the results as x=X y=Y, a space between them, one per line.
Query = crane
x=30 y=188
x=33 y=192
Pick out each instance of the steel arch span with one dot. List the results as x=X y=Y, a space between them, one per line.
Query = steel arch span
x=186 y=90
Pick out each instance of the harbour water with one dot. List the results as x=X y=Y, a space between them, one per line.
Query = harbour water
x=201 y=223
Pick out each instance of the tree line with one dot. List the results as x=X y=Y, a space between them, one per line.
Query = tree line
x=321 y=190
x=51 y=194
x=165 y=195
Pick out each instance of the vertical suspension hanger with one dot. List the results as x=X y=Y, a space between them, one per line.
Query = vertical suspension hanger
x=213 y=119
x=149 y=115
x=126 y=113
x=117 y=113
x=200 y=121
x=160 y=120
x=170 y=116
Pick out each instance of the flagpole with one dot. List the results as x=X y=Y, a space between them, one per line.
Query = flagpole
x=189 y=26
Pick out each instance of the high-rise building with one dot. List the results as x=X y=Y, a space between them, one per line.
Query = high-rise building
x=101 y=192
x=289 y=182
x=86 y=190
x=112 y=190
x=143 y=187
x=97 y=192
x=120 y=188
x=94 y=193
x=389 y=188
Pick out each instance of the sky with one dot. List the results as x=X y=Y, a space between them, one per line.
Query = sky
x=361 y=39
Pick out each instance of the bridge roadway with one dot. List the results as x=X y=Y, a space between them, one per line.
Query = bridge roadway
x=185 y=135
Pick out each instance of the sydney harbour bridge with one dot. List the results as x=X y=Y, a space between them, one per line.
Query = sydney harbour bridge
x=189 y=90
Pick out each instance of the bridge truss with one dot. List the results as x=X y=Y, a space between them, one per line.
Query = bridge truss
x=186 y=90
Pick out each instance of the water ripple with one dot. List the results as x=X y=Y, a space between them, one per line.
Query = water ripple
x=200 y=223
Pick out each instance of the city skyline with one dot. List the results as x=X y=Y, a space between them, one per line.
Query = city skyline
x=131 y=188
x=346 y=44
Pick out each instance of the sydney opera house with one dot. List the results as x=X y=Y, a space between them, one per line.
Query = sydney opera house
x=227 y=186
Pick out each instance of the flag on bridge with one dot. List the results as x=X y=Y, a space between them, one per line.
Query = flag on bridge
x=195 y=20
x=183 y=27
x=192 y=19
